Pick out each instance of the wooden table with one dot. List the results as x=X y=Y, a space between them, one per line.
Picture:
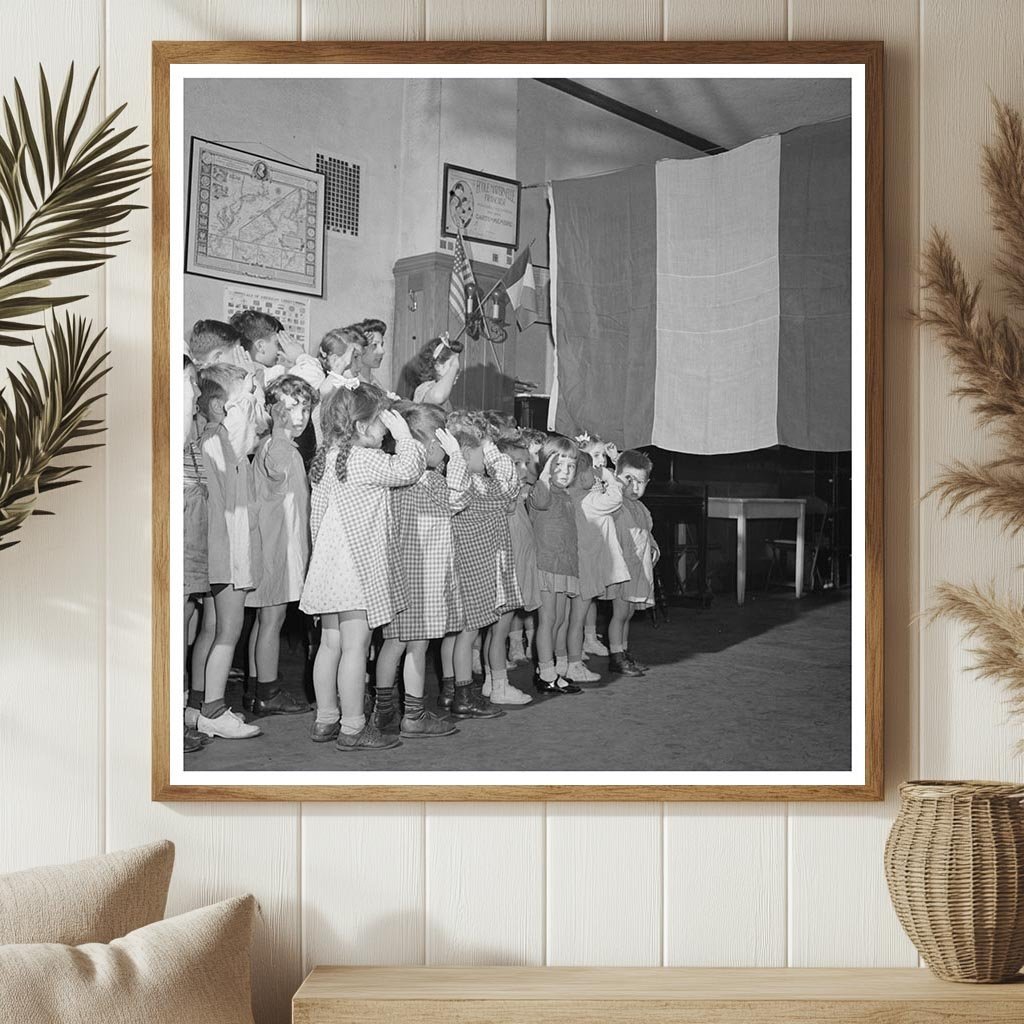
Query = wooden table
x=627 y=995
x=742 y=509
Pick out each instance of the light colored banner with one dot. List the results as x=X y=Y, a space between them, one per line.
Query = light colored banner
x=716 y=384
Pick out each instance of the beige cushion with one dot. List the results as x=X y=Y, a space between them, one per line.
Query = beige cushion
x=93 y=900
x=193 y=968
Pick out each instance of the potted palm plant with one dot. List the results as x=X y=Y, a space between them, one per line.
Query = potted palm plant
x=63 y=191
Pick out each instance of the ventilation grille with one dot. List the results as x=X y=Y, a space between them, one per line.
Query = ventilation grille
x=341 y=198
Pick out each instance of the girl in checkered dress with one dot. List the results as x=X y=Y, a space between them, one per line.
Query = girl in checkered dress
x=423 y=519
x=355 y=580
x=484 y=563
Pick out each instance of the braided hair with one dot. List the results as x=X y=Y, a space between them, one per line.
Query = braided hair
x=341 y=411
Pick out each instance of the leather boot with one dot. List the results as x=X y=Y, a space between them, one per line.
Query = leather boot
x=619 y=665
x=386 y=714
x=480 y=700
x=447 y=693
x=465 y=704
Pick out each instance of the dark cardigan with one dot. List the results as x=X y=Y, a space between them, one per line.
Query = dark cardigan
x=553 y=516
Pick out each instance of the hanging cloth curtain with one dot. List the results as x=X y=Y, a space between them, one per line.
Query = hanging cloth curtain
x=704 y=305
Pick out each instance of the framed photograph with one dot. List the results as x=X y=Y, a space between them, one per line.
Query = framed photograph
x=254 y=220
x=674 y=591
x=480 y=207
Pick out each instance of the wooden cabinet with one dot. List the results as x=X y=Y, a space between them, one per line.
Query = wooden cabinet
x=488 y=371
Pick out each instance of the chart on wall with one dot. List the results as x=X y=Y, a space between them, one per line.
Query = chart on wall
x=254 y=220
x=293 y=312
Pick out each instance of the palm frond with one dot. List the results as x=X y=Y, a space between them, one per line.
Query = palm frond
x=61 y=193
x=45 y=419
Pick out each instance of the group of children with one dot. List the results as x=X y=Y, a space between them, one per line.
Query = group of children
x=410 y=524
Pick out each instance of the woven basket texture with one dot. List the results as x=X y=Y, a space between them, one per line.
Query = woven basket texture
x=954 y=862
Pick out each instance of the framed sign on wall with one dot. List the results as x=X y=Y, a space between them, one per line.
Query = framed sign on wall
x=482 y=207
x=254 y=220
x=426 y=603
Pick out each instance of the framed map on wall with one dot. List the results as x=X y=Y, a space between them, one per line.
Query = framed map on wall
x=254 y=220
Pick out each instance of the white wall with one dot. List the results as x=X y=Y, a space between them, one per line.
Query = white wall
x=562 y=883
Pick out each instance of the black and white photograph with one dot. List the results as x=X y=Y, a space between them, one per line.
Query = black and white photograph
x=523 y=425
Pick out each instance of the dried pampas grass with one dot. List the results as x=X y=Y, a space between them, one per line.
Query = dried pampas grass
x=987 y=355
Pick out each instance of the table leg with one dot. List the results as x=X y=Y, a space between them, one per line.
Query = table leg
x=800 y=552
x=741 y=559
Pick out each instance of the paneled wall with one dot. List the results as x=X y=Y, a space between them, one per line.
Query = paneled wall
x=562 y=883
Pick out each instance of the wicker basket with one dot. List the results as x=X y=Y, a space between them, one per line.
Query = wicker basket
x=954 y=861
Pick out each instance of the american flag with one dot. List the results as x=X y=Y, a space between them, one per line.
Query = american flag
x=462 y=276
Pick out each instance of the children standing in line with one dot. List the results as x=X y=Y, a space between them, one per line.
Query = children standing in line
x=597 y=496
x=195 y=571
x=434 y=371
x=282 y=500
x=524 y=556
x=598 y=452
x=423 y=519
x=355 y=581
x=483 y=563
x=554 y=529
x=213 y=341
x=260 y=333
x=227 y=400
x=633 y=532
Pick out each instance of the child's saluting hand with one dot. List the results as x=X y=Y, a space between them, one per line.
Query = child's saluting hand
x=447 y=441
x=395 y=425
x=545 y=473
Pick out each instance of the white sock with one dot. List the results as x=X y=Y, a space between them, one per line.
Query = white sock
x=499 y=678
x=547 y=672
x=328 y=716
x=350 y=725
x=616 y=650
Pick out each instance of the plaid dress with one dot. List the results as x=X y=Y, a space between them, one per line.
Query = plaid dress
x=359 y=509
x=423 y=517
x=484 y=562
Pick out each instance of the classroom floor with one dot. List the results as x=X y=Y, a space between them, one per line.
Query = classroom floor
x=761 y=687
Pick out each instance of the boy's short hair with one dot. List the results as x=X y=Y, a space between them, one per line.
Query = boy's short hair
x=293 y=387
x=215 y=384
x=469 y=428
x=532 y=436
x=372 y=326
x=500 y=424
x=253 y=326
x=209 y=335
x=423 y=419
x=632 y=459
x=512 y=445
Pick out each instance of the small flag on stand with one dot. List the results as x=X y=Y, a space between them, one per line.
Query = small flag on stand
x=522 y=289
x=462 y=277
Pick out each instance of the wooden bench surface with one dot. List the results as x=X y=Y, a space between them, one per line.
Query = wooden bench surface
x=617 y=995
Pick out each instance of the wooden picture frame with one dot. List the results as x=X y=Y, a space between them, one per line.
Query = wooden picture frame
x=455 y=177
x=866 y=57
x=236 y=167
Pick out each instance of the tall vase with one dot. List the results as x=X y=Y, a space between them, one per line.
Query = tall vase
x=954 y=861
